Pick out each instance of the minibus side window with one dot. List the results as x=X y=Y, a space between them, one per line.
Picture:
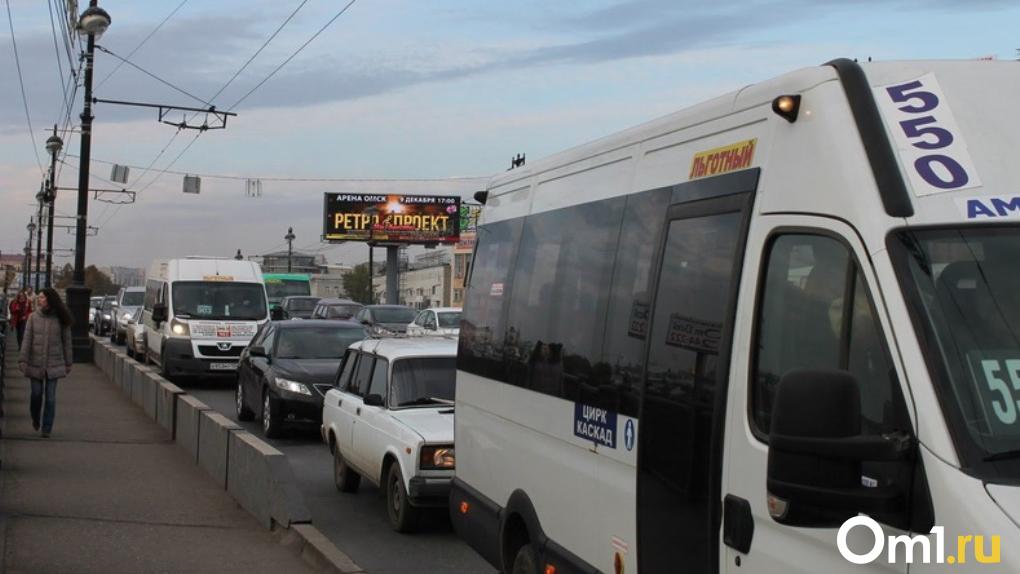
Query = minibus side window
x=815 y=313
x=559 y=300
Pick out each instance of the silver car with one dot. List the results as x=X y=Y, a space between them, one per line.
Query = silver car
x=129 y=304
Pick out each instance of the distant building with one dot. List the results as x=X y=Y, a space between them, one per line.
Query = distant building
x=126 y=276
x=461 y=267
x=330 y=283
x=300 y=262
x=425 y=283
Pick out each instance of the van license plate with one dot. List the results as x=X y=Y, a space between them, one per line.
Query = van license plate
x=222 y=366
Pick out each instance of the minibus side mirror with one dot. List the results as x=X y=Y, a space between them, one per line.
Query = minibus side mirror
x=816 y=451
x=276 y=314
x=159 y=313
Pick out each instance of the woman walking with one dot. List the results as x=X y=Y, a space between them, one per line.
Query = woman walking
x=20 y=309
x=46 y=355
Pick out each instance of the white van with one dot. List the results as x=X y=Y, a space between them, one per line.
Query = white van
x=200 y=313
x=773 y=333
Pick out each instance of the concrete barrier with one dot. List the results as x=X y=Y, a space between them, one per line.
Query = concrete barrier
x=213 y=444
x=150 y=390
x=166 y=406
x=189 y=412
x=142 y=387
x=261 y=480
x=116 y=368
x=127 y=370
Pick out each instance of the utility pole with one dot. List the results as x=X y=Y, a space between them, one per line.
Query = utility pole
x=290 y=237
x=53 y=145
x=93 y=22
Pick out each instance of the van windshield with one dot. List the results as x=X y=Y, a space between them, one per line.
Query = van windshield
x=219 y=300
x=965 y=283
x=132 y=298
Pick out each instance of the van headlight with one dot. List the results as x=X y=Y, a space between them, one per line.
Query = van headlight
x=437 y=457
x=292 y=386
x=179 y=328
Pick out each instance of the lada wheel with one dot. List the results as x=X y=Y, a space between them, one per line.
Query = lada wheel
x=403 y=516
x=243 y=412
x=525 y=562
x=344 y=477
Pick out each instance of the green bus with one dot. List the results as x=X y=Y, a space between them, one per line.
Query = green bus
x=280 y=285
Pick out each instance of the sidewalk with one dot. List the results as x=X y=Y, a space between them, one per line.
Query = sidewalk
x=108 y=492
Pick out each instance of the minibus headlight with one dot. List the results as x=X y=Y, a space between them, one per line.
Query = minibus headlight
x=437 y=457
x=179 y=328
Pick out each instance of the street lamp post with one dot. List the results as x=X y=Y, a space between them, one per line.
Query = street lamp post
x=41 y=198
x=92 y=23
x=53 y=145
x=28 y=252
x=290 y=237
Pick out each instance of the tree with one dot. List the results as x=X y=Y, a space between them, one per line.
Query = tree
x=97 y=281
x=358 y=284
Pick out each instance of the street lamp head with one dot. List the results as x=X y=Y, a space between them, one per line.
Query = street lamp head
x=93 y=22
x=31 y=226
x=41 y=196
x=54 y=144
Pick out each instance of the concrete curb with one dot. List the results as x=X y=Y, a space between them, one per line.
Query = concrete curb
x=317 y=551
x=268 y=490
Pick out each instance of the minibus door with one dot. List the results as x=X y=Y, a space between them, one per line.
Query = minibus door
x=683 y=404
x=807 y=302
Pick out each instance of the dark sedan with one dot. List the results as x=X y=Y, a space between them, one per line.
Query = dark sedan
x=288 y=367
x=298 y=307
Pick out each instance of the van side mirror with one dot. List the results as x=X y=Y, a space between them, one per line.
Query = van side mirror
x=373 y=400
x=159 y=313
x=257 y=351
x=276 y=313
x=816 y=451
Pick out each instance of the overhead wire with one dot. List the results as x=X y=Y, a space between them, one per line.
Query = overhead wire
x=213 y=98
x=142 y=43
x=151 y=75
x=56 y=50
x=294 y=55
x=305 y=179
x=21 y=82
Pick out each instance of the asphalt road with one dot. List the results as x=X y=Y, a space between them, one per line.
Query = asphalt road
x=356 y=523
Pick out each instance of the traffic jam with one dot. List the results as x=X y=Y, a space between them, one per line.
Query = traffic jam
x=769 y=333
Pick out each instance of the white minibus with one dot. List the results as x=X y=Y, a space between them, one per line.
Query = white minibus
x=200 y=313
x=772 y=333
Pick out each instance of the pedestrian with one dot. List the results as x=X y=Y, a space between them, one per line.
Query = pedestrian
x=46 y=355
x=20 y=309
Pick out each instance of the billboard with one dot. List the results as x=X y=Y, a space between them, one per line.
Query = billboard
x=391 y=218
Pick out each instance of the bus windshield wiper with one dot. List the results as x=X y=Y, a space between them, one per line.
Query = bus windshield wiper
x=1004 y=455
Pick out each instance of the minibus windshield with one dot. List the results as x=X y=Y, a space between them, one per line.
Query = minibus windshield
x=965 y=283
x=217 y=300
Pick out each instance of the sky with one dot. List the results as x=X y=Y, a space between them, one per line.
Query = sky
x=395 y=96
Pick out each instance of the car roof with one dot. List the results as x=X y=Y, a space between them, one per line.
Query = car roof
x=389 y=307
x=444 y=309
x=335 y=301
x=294 y=297
x=393 y=348
x=134 y=289
x=317 y=323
